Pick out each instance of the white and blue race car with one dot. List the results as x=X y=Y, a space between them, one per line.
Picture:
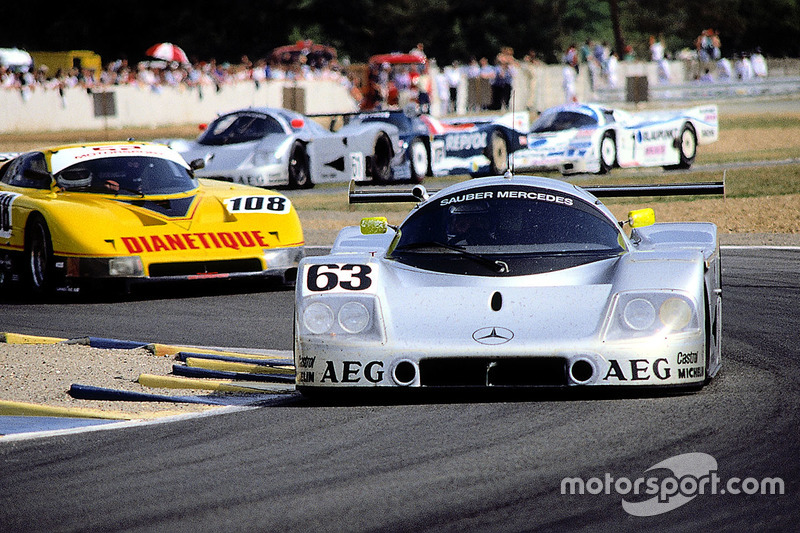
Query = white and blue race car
x=512 y=281
x=594 y=139
x=476 y=146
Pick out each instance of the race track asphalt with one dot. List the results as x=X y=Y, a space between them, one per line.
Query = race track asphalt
x=437 y=463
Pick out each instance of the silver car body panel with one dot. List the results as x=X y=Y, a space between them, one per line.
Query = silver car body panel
x=428 y=328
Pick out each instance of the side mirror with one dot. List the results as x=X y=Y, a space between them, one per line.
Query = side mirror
x=374 y=225
x=197 y=164
x=640 y=218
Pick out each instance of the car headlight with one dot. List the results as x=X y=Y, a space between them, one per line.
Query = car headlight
x=641 y=314
x=675 y=314
x=261 y=159
x=342 y=316
x=318 y=318
x=353 y=317
x=125 y=267
x=283 y=257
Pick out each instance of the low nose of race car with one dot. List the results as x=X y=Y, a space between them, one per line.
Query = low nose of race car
x=508 y=319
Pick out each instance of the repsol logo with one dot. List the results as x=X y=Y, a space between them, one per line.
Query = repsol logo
x=465 y=141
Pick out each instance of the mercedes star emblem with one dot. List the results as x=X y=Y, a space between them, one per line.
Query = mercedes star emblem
x=493 y=335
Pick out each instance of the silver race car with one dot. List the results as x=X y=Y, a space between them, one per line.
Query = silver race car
x=267 y=147
x=512 y=282
x=595 y=139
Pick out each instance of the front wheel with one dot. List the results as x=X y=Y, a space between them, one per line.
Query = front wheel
x=299 y=174
x=39 y=256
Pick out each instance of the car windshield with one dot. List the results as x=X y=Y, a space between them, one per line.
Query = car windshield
x=239 y=128
x=561 y=121
x=131 y=175
x=530 y=229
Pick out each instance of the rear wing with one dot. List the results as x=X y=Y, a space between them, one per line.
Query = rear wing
x=418 y=193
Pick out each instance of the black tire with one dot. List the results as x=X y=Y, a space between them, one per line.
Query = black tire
x=497 y=152
x=38 y=256
x=381 y=161
x=419 y=158
x=299 y=173
x=687 y=145
x=608 y=153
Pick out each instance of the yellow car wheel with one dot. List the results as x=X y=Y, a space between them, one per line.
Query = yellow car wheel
x=39 y=255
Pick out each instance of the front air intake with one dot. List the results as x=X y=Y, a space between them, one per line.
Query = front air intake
x=199 y=268
x=487 y=372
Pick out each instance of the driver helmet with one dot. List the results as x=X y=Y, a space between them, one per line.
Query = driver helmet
x=469 y=223
x=74 y=178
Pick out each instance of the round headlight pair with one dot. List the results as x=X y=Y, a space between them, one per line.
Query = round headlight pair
x=640 y=314
x=353 y=317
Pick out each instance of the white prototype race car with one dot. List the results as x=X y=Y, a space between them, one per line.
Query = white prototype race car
x=266 y=147
x=512 y=281
x=594 y=139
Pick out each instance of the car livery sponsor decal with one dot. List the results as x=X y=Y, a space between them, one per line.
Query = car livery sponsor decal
x=69 y=156
x=305 y=369
x=690 y=360
x=638 y=370
x=644 y=136
x=507 y=193
x=6 y=202
x=279 y=205
x=458 y=142
x=196 y=241
x=352 y=372
x=339 y=277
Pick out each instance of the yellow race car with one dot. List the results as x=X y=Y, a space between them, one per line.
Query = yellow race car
x=133 y=211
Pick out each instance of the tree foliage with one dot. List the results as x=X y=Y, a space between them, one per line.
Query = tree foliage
x=449 y=29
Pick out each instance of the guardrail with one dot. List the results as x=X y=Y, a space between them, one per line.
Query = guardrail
x=709 y=90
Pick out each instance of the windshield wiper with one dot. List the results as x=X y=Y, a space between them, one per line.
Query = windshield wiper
x=498 y=266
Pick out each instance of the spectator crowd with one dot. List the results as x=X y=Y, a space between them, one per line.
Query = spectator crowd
x=488 y=82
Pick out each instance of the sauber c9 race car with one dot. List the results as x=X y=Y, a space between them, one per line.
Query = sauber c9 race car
x=266 y=147
x=130 y=212
x=512 y=282
x=594 y=139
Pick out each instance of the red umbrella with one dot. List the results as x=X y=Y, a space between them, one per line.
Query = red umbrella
x=167 y=52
